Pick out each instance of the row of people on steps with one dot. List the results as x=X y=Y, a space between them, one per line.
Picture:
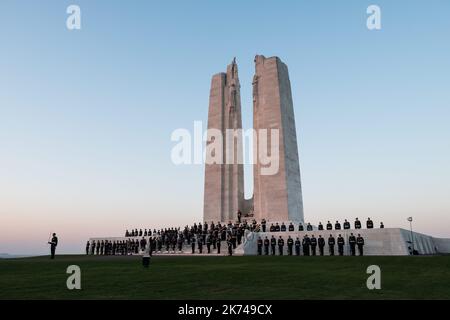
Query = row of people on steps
x=309 y=227
x=170 y=241
x=204 y=228
x=309 y=245
x=200 y=228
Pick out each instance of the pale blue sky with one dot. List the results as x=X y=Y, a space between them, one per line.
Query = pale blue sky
x=86 y=116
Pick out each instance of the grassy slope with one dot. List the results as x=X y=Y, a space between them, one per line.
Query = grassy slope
x=226 y=278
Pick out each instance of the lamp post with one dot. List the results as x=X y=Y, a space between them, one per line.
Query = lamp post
x=410 y=219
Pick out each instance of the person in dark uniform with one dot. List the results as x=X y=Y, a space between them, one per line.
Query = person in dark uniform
x=266 y=246
x=283 y=227
x=360 y=243
x=230 y=245
x=290 y=243
x=280 y=245
x=102 y=247
x=273 y=243
x=263 y=225
x=92 y=247
x=313 y=242
x=193 y=244
x=272 y=228
x=297 y=246
x=291 y=227
x=305 y=245
x=218 y=244
x=329 y=226
x=337 y=226
x=277 y=227
x=88 y=245
x=321 y=242
x=300 y=227
x=180 y=243
x=381 y=225
x=309 y=227
x=320 y=226
x=97 y=248
x=239 y=215
x=357 y=224
x=208 y=243
x=331 y=243
x=53 y=244
x=200 y=244
x=260 y=244
x=341 y=243
x=346 y=225
x=369 y=224
x=352 y=242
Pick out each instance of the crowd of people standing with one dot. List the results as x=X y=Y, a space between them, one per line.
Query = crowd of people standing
x=208 y=238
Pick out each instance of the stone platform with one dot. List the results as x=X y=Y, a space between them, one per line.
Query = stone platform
x=378 y=242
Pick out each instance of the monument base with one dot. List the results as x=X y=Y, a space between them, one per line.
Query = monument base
x=378 y=242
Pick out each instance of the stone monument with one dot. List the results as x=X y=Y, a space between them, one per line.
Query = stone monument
x=277 y=196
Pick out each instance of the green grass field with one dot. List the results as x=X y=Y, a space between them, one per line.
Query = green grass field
x=269 y=277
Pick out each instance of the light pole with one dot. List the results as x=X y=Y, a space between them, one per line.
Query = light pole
x=410 y=219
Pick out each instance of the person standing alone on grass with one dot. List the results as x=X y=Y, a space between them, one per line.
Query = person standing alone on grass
x=53 y=243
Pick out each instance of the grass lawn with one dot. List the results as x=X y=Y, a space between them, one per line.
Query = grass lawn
x=251 y=277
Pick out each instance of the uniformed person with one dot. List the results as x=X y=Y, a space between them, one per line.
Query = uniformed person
x=300 y=227
x=341 y=243
x=53 y=244
x=297 y=246
x=352 y=242
x=329 y=226
x=305 y=245
x=309 y=227
x=283 y=227
x=321 y=242
x=88 y=245
x=263 y=225
x=291 y=227
x=200 y=244
x=313 y=242
x=273 y=243
x=266 y=246
x=208 y=243
x=337 y=226
x=277 y=227
x=180 y=243
x=260 y=244
x=193 y=244
x=290 y=243
x=230 y=245
x=320 y=226
x=381 y=225
x=346 y=225
x=369 y=224
x=360 y=243
x=92 y=247
x=357 y=224
x=331 y=243
x=218 y=244
x=280 y=245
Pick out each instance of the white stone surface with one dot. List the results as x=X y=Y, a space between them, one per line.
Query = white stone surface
x=383 y=242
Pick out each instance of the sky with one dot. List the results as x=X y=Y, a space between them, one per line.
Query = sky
x=86 y=115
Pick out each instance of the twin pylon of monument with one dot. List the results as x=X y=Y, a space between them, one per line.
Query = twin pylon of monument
x=276 y=196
